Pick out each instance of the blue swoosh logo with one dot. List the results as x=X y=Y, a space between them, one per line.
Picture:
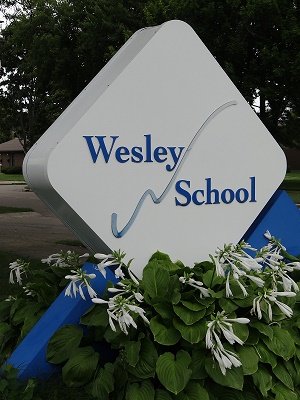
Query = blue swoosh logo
x=149 y=192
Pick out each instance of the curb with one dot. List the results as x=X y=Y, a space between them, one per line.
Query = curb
x=12 y=183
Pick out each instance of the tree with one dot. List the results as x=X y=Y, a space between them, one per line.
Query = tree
x=257 y=43
x=53 y=48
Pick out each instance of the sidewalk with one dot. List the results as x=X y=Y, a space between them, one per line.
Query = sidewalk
x=31 y=234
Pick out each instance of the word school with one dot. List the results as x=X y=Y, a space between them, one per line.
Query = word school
x=210 y=195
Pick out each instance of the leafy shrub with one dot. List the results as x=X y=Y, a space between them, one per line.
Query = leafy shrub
x=12 y=170
x=226 y=329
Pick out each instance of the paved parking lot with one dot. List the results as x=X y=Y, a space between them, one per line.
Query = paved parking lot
x=33 y=234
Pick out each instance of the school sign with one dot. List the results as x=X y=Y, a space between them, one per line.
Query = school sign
x=160 y=151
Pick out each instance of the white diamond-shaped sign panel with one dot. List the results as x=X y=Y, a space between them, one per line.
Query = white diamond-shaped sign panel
x=159 y=152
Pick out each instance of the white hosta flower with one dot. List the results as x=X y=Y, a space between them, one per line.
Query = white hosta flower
x=245 y=293
x=227 y=286
x=268 y=235
x=17 y=268
x=84 y=281
x=52 y=259
x=109 y=260
x=139 y=297
x=273 y=241
x=256 y=309
x=133 y=277
x=28 y=292
x=230 y=336
x=223 y=324
x=187 y=278
x=119 y=309
x=257 y=280
x=101 y=256
x=270 y=297
x=102 y=265
x=226 y=359
x=119 y=274
x=65 y=260
x=10 y=298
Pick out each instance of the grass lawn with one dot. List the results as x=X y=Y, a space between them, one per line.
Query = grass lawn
x=12 y=177
x=291 y=184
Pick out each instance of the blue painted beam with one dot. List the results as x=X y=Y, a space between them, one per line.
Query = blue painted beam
x=30 y=356
x=281 y=217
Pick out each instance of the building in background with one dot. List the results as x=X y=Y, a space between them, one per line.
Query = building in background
x=11 y=154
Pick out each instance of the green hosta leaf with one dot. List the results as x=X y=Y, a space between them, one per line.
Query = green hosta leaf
x=241 y=330
x=162 y=395
x=210 y=279
x=295 y=335
x=4 y=310
x=191 y=333
x=155 y=280
x=117 y=338
x=159 y=256
x=262 y=328
x=290 y=366
x=198 y=364
x=193 y=306
x=95 y=316
x=145 y=367
x=265 y=355
x=81 y=367
x=262 y=380
x=121 y=376
x=281 y=344
x=250 y=395
x=234 y=377
x=297 y=369
x=29 y=323
x=187 y=316
x=4 y=329
x=245 y=302
x=283 y=375
x=174 y=373
x=225 y=393
x=28 y=310
x=3 y=385
x=283 y=393
x=253 y=337
x=132 y=350
x=249 y=359
x=103 y=382
x=165 y=310
x=193 y=391
x=163 y=334
x=63 y=342
x=176 y=297
x=145 y=391
x=227 y=305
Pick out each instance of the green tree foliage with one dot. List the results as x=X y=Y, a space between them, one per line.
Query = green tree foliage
x=52 y=49
x=257 y=42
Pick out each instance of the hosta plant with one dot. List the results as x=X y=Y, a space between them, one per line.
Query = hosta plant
x=227 y=328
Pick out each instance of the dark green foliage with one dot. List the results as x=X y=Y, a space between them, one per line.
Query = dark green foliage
x=12 y=170
x=51 y=50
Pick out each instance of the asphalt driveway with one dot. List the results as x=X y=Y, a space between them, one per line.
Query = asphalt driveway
x=31 y=234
